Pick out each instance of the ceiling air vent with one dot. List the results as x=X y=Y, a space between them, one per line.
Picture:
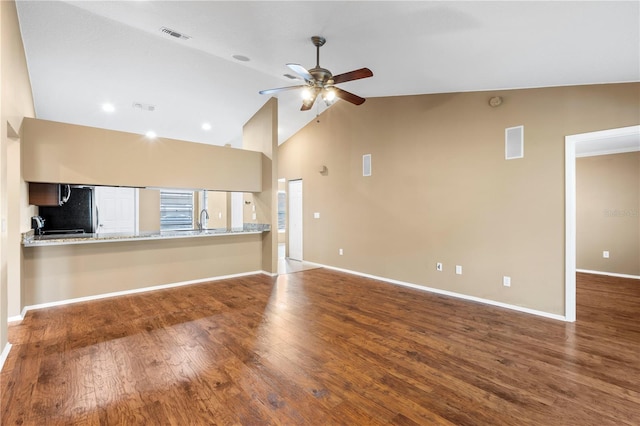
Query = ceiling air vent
x=144 y=107
x=292 y=77
x=174 y=33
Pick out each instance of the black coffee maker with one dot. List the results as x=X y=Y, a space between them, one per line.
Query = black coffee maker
x=37 y=223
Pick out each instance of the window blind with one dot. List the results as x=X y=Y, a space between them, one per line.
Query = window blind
x=176 y=210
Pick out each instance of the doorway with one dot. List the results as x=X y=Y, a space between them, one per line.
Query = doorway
x=604 y=140
x=295 y=220
x=116 y=209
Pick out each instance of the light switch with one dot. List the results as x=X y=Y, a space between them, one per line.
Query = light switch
x=254 y=216
x=458 y=270
x=316 y=215
x=605 y=254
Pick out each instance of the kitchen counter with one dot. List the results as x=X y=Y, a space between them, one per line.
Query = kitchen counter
x=31 y=240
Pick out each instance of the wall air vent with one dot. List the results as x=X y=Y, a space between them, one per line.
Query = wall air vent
x=514 y=142
x=366 y=165
x=175 y=34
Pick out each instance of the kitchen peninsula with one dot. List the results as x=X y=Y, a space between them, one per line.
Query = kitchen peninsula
x=59 y=269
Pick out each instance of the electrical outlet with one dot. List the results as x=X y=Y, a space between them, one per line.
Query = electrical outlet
x=506 y=281
x=340 y=252
x=605 y=254
x=439 y=266
x=458 y=270
x=316 y=215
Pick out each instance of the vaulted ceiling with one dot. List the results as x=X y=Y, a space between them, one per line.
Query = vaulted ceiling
x=82 y=54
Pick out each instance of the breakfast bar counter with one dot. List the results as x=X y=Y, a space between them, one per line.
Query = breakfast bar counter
x=30 y=240
x=63 y=268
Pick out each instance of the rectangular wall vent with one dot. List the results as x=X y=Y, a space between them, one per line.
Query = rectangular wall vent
x=366 y=165
x=514 y=142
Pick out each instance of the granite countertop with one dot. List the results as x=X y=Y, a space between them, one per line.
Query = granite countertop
x=31 y=240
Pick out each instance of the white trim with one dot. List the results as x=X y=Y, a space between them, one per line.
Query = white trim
x=4 y=354
x=570 y=208
x=134 y=291
x=15 y=318
x=607 y=152
x=446 y=293
x=609 y=274
x=570 y=229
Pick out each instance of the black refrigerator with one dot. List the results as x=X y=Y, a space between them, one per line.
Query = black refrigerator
x=76 y=215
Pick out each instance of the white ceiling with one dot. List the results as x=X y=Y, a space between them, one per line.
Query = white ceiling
x=82 y=54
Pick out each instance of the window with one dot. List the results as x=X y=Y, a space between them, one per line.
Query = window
x=176 y=210
x=282 y=205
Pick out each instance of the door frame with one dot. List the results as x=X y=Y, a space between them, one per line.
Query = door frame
x=571 y=142
x=289 y=215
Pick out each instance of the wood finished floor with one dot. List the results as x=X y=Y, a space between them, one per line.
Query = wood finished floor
x=320 y=347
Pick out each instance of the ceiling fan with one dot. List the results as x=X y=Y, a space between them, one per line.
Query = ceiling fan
x=320 y=81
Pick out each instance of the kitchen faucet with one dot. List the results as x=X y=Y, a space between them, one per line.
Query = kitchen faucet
x=202 y=224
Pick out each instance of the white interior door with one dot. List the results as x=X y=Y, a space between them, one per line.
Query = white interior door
x=237 y=206
x=295 y=219
x=117 y=209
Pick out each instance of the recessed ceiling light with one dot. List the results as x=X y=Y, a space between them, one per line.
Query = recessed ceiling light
x=241 y=58
x=206 y=126
x=151 y=134
x=108 y=107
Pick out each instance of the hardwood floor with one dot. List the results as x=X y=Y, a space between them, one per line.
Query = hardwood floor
x=320 y=347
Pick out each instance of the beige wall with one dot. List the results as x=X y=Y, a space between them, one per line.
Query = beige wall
x=608 y=213
x=16 y=102
x=441 y=190
x=217 y=208
x=260 y=133
x=66 y=153
x=149 y=209
x=58 y=273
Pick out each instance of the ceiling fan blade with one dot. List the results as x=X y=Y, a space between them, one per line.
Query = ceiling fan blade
x=301 y=71
x=280 y=89
x=307 y=104
x=348 y=96
x=352 y=75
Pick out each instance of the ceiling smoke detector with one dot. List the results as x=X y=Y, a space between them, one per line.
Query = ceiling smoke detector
x=174 y=33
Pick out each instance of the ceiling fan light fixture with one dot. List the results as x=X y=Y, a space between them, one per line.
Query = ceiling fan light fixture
x=307 y=94
x=329 y=95
x=320 y=82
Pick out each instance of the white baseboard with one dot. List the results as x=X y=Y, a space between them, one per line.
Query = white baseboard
x=448 y=293
x=4 y=355
x=609 y=274
x=133 y=291
x=16 y=318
